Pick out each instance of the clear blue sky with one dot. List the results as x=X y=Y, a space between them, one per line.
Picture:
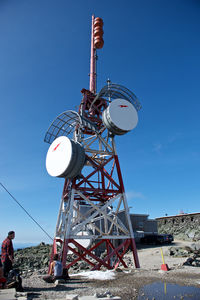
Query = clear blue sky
x=152 y=47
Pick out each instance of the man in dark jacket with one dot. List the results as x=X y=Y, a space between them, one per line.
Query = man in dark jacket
x=2 y=279
x=7 y=253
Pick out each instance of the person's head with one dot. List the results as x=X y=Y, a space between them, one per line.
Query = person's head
x=55 y=257
x=11 y=235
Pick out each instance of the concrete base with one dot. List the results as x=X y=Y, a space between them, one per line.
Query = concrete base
x=7 y=294
x=11 y=294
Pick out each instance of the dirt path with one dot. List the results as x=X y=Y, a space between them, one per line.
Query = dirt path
x=150 y=256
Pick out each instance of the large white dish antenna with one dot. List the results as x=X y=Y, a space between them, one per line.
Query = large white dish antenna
x=84 y=240
x=120 y=116
x=65 y=158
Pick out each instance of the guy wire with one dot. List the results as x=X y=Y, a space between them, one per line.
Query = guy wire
x=26 y=211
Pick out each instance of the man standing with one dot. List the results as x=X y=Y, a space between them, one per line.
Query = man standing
x=2 y=279
x=7 y=253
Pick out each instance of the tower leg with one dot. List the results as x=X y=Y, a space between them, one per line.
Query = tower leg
x=133 y=245
x=68 y=222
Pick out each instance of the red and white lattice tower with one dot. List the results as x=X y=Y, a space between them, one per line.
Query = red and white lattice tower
x=83 y=151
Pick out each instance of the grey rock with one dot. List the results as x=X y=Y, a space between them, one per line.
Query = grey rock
x=71 y=297
x=198 y=246
x=188 y=262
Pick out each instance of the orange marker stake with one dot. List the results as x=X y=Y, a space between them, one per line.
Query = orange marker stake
x=164 y=267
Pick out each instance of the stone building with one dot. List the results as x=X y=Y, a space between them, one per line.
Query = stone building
x=183 y=226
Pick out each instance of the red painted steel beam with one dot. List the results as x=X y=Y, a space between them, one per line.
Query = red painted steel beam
x=97 y=168
x=119 y=172
x=91 y=254
x=111 y=254
x=53 y=251
x=124 y=251
x=120 y=258
x=80 y=257
x=108 y=250
x=83 y=254
x=100 y=168
x=99 y=191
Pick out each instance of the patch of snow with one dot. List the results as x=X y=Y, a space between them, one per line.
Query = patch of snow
x=98 y=275
x=129 y=271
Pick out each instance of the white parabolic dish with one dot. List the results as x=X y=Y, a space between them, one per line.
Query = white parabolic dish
x=65 y=158
x=120 y=115
x=85 y=241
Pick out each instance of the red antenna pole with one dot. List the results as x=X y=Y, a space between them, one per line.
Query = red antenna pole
x=96 y=43
x=92 y=62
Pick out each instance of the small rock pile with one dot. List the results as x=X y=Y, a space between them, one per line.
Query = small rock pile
x=192 y=253
x=31 y=259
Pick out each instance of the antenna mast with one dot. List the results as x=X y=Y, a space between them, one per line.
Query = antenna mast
x=96 y=43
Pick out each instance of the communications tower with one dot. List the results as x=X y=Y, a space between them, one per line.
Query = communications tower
x=83 y=152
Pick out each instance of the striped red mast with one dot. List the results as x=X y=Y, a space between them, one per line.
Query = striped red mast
x=97 y=42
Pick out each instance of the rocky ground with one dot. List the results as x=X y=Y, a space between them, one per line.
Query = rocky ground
x=183 y=259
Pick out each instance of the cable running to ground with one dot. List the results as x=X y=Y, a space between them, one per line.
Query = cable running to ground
x=26 y=211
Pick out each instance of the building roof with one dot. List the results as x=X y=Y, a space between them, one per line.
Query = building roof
x=136 y=215
x=180 y=215
x=123 y=210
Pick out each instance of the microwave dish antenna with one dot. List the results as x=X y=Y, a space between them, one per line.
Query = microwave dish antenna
x=63 y=125
x=65 y=158
x=66 y=124
x=120 y=116
x=113 y=91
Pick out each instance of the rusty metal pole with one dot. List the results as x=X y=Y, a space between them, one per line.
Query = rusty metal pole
x=93 y=61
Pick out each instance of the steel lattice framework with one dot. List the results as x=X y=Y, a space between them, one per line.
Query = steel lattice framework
x=89 y=216
x=100 y=189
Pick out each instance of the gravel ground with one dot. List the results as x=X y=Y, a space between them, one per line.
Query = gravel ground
x=127 y=282
x=125 y=285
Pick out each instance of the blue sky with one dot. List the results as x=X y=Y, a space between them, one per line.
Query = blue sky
x=152 y=47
